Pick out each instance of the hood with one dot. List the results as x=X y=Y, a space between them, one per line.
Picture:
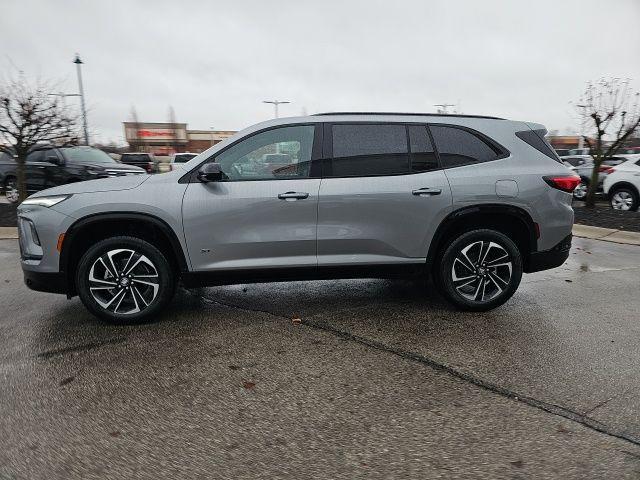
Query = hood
x=114 y=166
x=100 y=185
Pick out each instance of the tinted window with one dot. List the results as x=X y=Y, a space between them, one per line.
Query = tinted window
x=127 y=157
x=364 y=150
x=423 y=158
x=460 y=147
x=183 y=158
x=37 y=156
x=278 y=153
x=86 y=155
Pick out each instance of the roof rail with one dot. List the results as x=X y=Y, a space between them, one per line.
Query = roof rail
x=409 y=114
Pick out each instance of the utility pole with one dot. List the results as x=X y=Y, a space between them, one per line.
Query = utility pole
x=79 y=62
x=275 y=104
x=443 y=107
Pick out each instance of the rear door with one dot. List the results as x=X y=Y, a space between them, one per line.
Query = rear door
x=382 y=195
x=36 y=171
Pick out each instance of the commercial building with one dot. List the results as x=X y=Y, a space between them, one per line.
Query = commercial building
x=168 y=138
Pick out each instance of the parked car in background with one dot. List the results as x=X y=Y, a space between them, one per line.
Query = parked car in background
x=142 y=160
x=181 y=158
x=474 y=201
x=49 y=166
x=622 y=185
x=583 y=166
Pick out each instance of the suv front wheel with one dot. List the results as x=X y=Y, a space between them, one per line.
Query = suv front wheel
x=124 y=280
x=480 y=270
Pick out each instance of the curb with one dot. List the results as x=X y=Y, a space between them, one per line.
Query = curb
x=606 y=234
x=8 y=233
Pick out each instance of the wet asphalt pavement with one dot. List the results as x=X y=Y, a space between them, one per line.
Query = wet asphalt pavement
x=380 y=379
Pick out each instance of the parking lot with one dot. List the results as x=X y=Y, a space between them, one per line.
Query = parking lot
x=379 y=379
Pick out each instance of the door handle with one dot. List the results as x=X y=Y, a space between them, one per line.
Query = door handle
x=427 y=192
x=293 y=196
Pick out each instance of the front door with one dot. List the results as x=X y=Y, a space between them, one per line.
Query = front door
x=380 y=202
x=263 y=214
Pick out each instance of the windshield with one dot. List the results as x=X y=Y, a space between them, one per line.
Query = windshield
x=86 y=155
x=185 y=157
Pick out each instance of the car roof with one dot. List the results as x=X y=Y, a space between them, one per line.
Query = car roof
x=409 y=114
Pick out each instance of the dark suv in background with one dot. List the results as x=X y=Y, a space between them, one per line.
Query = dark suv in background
x=48 y=167
x=142 y=160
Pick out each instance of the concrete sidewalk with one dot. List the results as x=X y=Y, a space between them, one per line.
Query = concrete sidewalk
x=606 y=234
x=8 y=233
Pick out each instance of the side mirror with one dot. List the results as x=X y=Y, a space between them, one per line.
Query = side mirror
x=53 y=159
x=210 y=172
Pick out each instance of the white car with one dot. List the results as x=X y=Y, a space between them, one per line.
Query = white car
x=622 y=185
x=183 y=157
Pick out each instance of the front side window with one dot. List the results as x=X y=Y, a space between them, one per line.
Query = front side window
x=361 y=150
x=460 y=147
x=279 y=153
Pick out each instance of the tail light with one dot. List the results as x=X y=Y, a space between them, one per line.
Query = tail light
x=149 y=167
x=566 y=183
x=606 y=169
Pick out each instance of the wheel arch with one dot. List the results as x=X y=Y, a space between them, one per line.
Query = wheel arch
x=622 y=184
x=511 y=220
x=92 y=228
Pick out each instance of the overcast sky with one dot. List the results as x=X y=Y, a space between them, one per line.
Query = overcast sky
x=214 y=62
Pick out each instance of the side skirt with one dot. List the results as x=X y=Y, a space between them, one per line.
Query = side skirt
x=290 y=274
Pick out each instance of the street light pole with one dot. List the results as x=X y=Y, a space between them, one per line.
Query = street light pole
x=79 y=62
x=275 y=104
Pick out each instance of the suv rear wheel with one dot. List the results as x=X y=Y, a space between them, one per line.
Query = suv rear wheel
x=624 y=198
x=480 y=270
x=125 y=280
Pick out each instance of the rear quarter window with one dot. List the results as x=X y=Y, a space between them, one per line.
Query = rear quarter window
x=457 y=146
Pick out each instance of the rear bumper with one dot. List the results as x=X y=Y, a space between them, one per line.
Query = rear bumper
x=45 y=282
x=549 y=258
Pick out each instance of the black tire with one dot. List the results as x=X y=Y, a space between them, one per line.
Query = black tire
x=630 y=195
x=153 y=268
x=499 y=283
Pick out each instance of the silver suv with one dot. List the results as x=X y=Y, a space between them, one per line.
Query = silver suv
x=474 y=201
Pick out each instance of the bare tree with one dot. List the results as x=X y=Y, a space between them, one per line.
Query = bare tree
x=29 y=116
x=613 y=112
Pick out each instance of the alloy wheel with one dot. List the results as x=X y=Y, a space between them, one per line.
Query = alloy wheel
x=580 y=191
x=622 y=200
x=11 y=192
x=481 y=271
x=123 y=281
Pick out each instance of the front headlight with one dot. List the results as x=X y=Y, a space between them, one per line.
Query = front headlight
x=49 y=201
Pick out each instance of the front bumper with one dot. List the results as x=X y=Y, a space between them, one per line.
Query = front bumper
x=549 y=258
x=51 y=282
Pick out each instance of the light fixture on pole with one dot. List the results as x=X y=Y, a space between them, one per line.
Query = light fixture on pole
x=79 y=62
x=275 y=104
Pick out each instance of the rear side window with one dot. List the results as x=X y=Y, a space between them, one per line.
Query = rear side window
x=423 y=157
x=536 y=138
x=460 y=147
x=361 y=150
